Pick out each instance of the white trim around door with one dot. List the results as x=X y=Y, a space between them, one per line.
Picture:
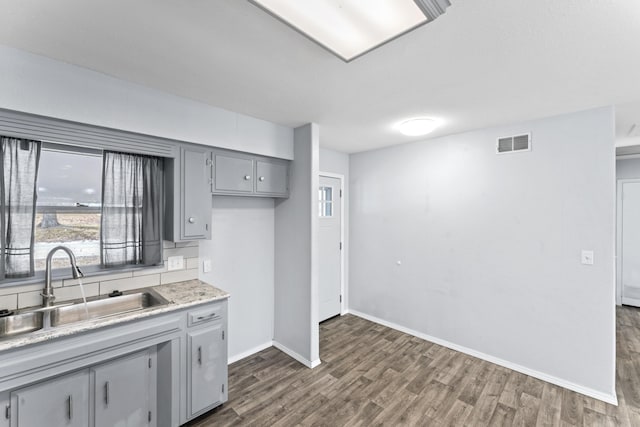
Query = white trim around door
x=619 y=231
x=343 y=300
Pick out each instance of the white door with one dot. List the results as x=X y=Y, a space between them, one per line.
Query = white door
x=631 y=243
x=330 y=211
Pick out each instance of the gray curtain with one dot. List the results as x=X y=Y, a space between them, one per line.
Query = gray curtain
x=20 y=160
x=132 y=206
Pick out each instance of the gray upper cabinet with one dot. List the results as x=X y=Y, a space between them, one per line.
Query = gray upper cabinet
x=272 y=178
x=196 y=213
x=188 y=213
x=240 y=174
x=232 y=173
x=63 y=401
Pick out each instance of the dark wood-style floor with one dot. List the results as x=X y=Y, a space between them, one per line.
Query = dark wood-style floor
x=372 y=375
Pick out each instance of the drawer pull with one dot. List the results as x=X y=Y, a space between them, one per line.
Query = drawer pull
x=200 y=355
x=210 y=316
x=70 y=407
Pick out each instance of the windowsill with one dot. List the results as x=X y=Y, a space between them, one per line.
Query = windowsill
x=65 y=274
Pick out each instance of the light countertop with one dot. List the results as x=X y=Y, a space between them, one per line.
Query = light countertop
x=180 y=295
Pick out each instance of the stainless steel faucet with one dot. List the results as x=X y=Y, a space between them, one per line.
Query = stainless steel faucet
x=47 y=293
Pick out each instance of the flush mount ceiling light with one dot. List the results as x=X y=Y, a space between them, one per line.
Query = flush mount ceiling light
x=418 y=126
x=350 y=28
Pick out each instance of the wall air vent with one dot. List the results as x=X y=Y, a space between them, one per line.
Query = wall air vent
x=513 y=144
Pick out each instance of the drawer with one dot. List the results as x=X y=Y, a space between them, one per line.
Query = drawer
x=205 y=314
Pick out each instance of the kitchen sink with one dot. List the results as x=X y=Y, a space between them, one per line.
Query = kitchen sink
x=106 y=306
x=22 y=323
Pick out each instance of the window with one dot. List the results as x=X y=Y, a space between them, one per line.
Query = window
x=325 y=195
x=106 y=206
x=68 y=205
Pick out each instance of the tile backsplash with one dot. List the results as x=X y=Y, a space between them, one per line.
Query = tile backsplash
x=15 y=297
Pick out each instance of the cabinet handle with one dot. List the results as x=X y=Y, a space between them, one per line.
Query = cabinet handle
x=261 y=178
x=106 y=393
x=70 y=407
x=192 y=220
x=247 y=177
x=210 y=316
x=200 y=355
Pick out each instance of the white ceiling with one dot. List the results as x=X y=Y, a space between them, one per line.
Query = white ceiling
x=482 y=63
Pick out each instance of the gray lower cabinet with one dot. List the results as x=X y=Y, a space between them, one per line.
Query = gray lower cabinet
x=63 y=401
x=207 y=376
x=159 y=371
x=123 y=394
x=241 y=174
x=125 y=391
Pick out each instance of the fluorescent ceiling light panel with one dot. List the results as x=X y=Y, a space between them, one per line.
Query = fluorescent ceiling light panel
x=348 y=28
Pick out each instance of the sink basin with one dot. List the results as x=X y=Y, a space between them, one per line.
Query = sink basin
x=20 y=324
x=106 y=306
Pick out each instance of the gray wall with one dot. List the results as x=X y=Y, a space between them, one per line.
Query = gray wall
x=337 y=162
x=490 y=245
x=39 y=85
x=242 y=257
x=296 y=219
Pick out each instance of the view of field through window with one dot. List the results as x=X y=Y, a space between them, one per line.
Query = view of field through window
x=68 y=207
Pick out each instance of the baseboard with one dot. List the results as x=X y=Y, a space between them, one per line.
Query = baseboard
x=306 y=362
x=250 y=352
x=608 y=398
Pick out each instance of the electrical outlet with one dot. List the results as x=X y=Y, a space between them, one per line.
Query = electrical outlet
x=175 y=263
x=587 y=257
x=206 y=265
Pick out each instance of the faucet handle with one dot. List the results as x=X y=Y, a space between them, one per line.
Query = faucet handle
x=48 y=296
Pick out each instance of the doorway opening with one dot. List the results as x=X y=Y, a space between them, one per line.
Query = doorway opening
x=331 y=301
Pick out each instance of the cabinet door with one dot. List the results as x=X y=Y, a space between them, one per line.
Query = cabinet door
x=125 y=392
x=5 y=408
x=196 y=198
x=271 y=177
x=208 y=369
x=60 y=402
x=232 y=174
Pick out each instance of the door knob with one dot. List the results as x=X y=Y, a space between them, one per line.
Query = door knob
x=247 y=177
x=192 y=220
x=261 y=178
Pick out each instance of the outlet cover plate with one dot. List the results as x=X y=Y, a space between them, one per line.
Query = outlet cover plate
x=175 y=263
x=206 y=265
